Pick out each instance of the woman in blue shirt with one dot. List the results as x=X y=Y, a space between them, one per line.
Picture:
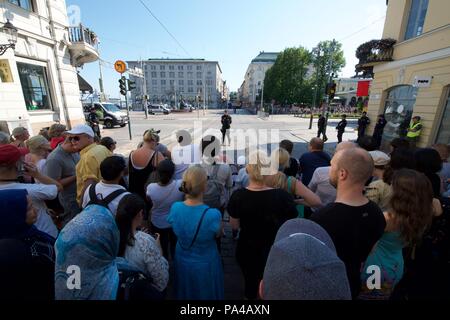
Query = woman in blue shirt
x=197 y=263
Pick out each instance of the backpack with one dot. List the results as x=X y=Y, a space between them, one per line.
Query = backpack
x=214 y=190
x=93 y=199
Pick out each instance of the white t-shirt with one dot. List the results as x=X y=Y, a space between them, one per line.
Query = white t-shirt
x=38 y=194
x=183 y=157
x=102 y=190
x=321 y=186
x=146 y=256
x=163 y=198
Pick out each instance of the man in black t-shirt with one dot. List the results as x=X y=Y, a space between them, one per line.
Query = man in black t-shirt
x=353 y=222
x=341 y=128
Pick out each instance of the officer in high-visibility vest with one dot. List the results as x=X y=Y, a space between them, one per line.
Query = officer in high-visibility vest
x=414 y=131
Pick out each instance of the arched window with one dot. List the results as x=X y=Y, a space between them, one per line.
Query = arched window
x=444 y=129
x=398 y=111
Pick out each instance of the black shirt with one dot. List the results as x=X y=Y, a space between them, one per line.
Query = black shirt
x=341 y=126
x=226 y=122
x=261 y=214
x=292 y=171
x=363 y=122
x=354 y=231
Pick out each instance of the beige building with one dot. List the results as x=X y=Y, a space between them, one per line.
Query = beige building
x=39 y=84
x=255 y=75
x=411 y=69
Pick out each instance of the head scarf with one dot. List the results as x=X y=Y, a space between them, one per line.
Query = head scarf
x=13 y=215
x=90 y=242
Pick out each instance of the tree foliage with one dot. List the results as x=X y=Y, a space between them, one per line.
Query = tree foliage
x=328 y=59
x=286 y=81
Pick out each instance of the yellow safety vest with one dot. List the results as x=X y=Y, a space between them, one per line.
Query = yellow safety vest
x=414 y=134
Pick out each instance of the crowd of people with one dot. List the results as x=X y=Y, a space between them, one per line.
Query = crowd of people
x=84 y=223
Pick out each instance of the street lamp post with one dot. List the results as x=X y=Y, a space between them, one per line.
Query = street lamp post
x=11 y=34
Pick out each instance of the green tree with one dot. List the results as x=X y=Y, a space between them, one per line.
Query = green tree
x=287 y=80
x=328 y=59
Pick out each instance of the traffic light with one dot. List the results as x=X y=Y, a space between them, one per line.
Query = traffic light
x=123 y=86
x=131 y=85
x=331 y=90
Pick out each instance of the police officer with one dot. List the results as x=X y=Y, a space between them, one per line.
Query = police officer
x=94 y=122
x=322 y=124
x=363 y=122
x=226 y=125
x=378 y=131
x=414 y=131
x=341 y=128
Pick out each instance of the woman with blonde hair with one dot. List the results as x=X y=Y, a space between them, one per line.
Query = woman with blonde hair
x=56 y=134
x=197 y=263
x=258 y=211
x=143 y=163
x=279 y=180
x=39 y=150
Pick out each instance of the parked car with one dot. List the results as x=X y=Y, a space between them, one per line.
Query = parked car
x=158 y=108
x=112 y=114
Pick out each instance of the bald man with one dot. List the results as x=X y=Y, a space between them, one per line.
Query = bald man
x=320 y=182
x=315 y=158
x=353 y=222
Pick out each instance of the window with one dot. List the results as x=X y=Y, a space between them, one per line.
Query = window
x=154 y=74
x=172 y=82
x=399 y=108
x=163 y=74
x=444 y=130
x=181 y=82
x=190 y=90
x=199 y=75
x=34 y=86
x=171 y=67
x=152 y=67
x=190 y=75
x=180 y=74
x=163 y=82
x=416 y=18
x=199 y=68
x=190 y=82
x=180 y=67
x=162 y=68
x=209 y=73
x=25 y=4
x=154 y=82
x=181 y=89
x=343 y=89
x=199 y=82
x=189 y=67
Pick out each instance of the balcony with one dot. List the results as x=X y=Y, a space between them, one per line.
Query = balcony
x=372 y=53
x=83 y=45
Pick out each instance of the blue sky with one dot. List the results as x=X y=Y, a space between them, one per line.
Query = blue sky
x=231 y=32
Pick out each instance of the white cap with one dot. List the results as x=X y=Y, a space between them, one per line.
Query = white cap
x=380 y=158
x=82 y=129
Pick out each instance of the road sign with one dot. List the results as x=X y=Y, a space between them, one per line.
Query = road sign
x=120 y=66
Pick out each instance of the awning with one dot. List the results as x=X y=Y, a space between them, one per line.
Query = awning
x=84 y=86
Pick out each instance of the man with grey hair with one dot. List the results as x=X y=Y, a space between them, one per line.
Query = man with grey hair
x=20 y=135
x=4 y=138
x=354 y=223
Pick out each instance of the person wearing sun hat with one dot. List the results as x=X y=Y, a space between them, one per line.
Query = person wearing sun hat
x=303 y=265
x=91 y=156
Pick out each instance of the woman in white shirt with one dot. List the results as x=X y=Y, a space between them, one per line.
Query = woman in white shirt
x=163 y=195
x=137 y=247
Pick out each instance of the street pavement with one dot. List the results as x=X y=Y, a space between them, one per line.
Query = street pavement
x=200 y=123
